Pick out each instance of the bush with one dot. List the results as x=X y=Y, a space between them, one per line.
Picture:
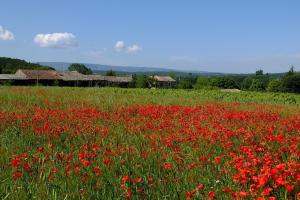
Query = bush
x=80 y=68
x=257 y=85
x=291 y=83
x=274 y=86
x=202 y=82
x=224 y=82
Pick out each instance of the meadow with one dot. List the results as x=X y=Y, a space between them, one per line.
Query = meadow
x=113 y=143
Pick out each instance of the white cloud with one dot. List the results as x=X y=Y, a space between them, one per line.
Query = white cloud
x=56 y=40
x=6 y=34
x=134 y=48
x=120 y=45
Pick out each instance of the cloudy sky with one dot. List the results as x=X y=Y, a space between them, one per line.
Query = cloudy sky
x=211 y=35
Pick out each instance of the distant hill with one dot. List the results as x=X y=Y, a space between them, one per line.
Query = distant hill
x=101 y=69
x=11 y=65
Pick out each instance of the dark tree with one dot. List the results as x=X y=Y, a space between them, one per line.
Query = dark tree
x=290 y=72
x=172 y=75
x=259 y=72
x=224 y=82
x=202 y=82
x=142 y=81
x=275 y=86
x=81 y=68
x=110 y=73
x=11 y=65
x=246 y=83
x=186 y=82
x=257 y=85
x=291 y=83
x=132 y=84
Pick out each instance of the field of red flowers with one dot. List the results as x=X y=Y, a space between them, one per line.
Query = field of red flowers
x=213 y=150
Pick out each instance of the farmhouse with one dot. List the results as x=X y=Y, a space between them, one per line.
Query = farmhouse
x=164 y=81
x=44 y=77
x=68 y=78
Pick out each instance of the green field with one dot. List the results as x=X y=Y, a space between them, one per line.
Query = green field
x=111 y=97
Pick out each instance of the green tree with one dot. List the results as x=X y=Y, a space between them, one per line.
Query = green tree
x=259 y=72
x=257 y=85
x=172 y=75
x=290 y=72
x=11 y=65
x=111 y=73
x=274 y=86
x=142 y=81
x=246 y=83
x=202 y=82
x=132 y=84
x=81 y=68
x=184 y=84
x=224 y=82
x=291 y=83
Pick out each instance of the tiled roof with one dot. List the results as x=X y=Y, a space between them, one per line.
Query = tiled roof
x=11 y=77
x=118 y=79
x=164 y=78
x=72 y=76
x=65 y=76
x=38 y=74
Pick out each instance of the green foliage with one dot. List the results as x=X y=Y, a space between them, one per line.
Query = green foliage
x=202 y=82
x=257 y=85
x=291 y=83
x=290 y=72
x=132 y=84
x=172 y=74
x=246 y=83
x=81 y=68
x=186 y=82
x=275 y=86
x=110 y=73
x=142 y=81
x=11 y=65
x=259 y=72
x=224 y=82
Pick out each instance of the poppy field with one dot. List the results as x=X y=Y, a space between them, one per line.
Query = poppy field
x=105 y=143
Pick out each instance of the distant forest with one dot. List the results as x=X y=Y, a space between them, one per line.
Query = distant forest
x=258 y=81
x=11 y=65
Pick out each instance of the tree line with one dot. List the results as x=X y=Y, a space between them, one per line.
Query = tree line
x=11 y=65
x=288 y=82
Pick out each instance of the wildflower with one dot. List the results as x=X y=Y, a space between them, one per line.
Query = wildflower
x=190 y=194
x=123 y=187
x=138 y=180
x=167 y=166
x=53 y=170
x=129 y=193
x=290 y=188
x=125 y=178
x=211 y=195
x=266 y=191
x=17 y=175
x=200 y=187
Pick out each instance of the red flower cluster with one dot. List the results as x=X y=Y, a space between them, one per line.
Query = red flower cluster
x=210 y=151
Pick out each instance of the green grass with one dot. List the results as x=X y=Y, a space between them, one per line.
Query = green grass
x=114 y=97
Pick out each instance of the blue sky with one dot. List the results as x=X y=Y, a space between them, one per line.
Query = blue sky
x=220 y=36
